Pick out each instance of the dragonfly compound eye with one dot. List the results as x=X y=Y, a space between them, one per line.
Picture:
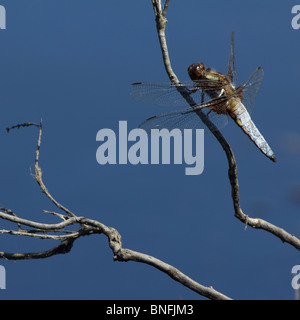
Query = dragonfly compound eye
x=196 y=70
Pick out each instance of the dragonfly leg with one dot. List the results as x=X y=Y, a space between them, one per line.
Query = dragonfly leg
x=202 y=97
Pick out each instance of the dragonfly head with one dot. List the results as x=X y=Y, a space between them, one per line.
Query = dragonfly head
x=196 y=71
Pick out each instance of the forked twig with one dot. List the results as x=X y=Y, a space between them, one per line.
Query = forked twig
x=38 y=176
x=87 y=226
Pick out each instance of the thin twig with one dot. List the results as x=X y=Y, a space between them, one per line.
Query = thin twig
x=63 y=217
x=208 y=292
x=38 y=225
x=20 y=125
x=38 y=176
x=34 y=234
x=166 y=6
x=64 y=247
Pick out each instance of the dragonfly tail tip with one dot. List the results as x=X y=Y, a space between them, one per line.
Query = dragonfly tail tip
x=273 y=158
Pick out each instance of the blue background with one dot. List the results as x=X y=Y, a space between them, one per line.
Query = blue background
x=72 y=63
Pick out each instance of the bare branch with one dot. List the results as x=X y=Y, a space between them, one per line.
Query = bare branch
x=38 y=176
x=120 y=254
x=20 y=125
x=63 y=217
x=38 y=225
x=87 y=227
x=60 y=232
x=166 y=7
x=64 y=247
x=34 y=234
x=257 y=223
x=208 y=292
x=232 y=171
x=161 y=26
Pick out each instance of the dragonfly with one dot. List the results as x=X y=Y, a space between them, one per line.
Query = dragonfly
x=209 y=94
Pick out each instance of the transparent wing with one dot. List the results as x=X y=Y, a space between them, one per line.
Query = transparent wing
x=166 y=94
x=250 y=88
x=231 y=71
x=188 y=118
